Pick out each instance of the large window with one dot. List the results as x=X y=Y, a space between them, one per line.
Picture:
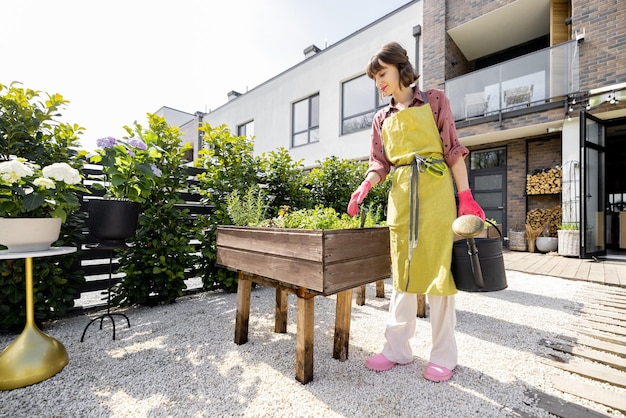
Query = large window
x=360 y=102
x=247 y=129
x=306 y=121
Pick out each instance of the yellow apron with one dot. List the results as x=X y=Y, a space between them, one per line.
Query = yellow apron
x=421 y=243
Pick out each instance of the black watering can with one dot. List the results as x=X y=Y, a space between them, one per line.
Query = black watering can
x=477 y=265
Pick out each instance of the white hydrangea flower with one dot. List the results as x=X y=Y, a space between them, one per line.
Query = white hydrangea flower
x=45 y=183
x=12 y=171
x=62 y=172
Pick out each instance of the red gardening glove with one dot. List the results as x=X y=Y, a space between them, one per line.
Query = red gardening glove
x=357 y=197
x=468 y=206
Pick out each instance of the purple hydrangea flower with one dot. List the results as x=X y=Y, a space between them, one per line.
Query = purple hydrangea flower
x=155 y=170
x=107 y=142
x=137 y=143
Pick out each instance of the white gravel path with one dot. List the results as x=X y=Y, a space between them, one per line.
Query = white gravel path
x=180 y=360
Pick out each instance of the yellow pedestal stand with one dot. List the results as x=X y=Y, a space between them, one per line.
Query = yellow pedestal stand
x=33 y=356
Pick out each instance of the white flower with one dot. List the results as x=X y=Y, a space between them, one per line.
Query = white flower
x=45 y=182
x=62 y=172
x=12 y=171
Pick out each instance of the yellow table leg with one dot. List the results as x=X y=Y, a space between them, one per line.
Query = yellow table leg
x=33 y=356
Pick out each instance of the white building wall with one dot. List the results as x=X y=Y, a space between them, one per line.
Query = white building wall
x=269 y=104
x=187 y=122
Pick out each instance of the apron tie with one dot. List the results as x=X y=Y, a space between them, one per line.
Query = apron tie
x=434 y=167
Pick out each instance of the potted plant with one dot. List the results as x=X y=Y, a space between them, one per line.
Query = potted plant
x=35 y=201
x=128 y=172
x=569 y=239
x=517 y=238
x=546 y=243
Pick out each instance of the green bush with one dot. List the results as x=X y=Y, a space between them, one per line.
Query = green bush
x=333 y=181
x=156 y=265
x=228 y=165
x=283 y=181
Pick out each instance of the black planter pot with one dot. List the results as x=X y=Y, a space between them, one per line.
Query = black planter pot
x=112 y=222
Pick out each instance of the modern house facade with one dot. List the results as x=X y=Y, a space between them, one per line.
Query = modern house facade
x=534 y=85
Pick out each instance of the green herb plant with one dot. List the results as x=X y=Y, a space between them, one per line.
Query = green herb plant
x=249 y=210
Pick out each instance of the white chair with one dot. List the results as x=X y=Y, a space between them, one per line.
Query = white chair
x=476 y=104
x=516 y=96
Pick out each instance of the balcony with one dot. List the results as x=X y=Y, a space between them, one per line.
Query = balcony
x=527 y=81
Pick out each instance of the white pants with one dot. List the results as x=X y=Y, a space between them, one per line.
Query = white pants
x=402 y=323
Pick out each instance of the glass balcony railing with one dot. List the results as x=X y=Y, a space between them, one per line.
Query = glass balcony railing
x=522 y=82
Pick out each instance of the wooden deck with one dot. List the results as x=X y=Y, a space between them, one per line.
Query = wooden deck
x=593 y=348
x=607 y=272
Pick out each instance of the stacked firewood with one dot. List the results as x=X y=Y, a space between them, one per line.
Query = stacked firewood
x=547 y=181
x=547 y=220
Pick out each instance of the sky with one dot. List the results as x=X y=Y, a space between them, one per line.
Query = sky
x=117 y=60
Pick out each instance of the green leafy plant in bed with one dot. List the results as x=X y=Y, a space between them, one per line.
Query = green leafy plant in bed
x=250 y=210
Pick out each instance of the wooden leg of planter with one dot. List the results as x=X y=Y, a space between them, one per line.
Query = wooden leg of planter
x=304 y=339
x=244 y=286
x=343 y=314
x=360 y=295
x=280 y=314
x=380 y=288
x=421 y=306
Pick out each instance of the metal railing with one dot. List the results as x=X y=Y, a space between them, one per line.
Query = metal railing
x=529 y=80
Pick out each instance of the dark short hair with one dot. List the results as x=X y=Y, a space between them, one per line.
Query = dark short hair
x=393 y=54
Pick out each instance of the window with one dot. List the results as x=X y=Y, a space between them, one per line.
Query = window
x=360 y=102
x=247 y=129
x=495 y=158
x=306 y=121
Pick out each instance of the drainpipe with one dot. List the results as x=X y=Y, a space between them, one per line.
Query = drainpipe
x=200 y=144
x=417 y=32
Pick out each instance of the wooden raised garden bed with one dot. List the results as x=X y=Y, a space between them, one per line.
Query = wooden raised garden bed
x=307 y=263
x=321 y=261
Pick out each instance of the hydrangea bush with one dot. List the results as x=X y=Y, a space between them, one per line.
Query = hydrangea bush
x=128 y=167
x=27 y=191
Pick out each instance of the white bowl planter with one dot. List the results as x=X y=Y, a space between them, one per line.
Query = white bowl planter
x=29 y=234
x=546 y=244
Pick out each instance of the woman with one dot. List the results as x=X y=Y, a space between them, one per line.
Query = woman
x=416 y=136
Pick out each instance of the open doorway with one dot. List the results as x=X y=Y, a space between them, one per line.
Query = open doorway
x=616 y=189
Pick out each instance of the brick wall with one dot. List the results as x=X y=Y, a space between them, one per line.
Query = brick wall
x=602 y=58
x=516 y=183
x=434 y=44
x=603 y=52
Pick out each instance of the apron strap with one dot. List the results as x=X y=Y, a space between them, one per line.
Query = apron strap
x=436 y=168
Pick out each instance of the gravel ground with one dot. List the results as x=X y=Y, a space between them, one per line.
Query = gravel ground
x=180 y=360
